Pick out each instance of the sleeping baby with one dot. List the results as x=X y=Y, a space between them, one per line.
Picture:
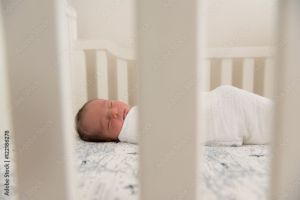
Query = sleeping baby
x=231 y=117
x=102 y=120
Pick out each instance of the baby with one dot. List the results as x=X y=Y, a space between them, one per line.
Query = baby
x=101 y=120
x=231 y=116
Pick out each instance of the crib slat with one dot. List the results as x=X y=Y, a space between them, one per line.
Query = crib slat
x=285 y=155
x=206 y=74
x=248 y=74
x=268 y=78
x=48 y=136
x=102 y=74
x=122 y=78
x=226 y=71
x=79 y=79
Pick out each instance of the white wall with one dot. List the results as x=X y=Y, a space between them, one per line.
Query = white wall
x=240 y=22
x=106 y=19
x=230 y=22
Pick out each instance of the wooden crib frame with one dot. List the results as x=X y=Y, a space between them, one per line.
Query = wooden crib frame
x=168 y=171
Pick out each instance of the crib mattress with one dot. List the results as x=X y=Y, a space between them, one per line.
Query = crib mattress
x=110 y=171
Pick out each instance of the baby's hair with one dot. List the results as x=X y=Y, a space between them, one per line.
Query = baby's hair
x=82 y=133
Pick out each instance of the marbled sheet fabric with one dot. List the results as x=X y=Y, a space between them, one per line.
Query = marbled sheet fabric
x=109 y=171
x=235 y=172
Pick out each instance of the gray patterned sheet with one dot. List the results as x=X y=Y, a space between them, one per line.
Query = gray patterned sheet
x=109 y=171
x=235 y=172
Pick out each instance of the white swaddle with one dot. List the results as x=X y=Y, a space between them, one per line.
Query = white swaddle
x=234 y=117
x=129 y=129
x=231 y=116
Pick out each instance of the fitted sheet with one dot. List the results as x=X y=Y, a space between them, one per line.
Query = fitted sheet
x=110 y=171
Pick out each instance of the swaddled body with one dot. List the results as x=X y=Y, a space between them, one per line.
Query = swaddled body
x=234 y=117
x=231 y=116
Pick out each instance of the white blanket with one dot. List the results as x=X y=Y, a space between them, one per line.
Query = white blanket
x=234 y=117
x=129 y=129
x=231 y=117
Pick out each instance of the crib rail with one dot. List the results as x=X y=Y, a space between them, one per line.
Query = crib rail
x=102 y=69
x=248 y=55
x=123 y=56
x=113 y=48
x=240 y=52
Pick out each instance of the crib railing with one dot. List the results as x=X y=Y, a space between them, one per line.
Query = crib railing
x=248 y=55
x=226 y=56
x=123 y=57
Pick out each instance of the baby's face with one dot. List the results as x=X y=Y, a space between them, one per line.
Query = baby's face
x=105 y=117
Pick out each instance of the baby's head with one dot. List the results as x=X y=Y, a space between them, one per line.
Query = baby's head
x=101 y=120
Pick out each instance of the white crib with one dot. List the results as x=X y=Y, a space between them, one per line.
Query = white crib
x=101 y=69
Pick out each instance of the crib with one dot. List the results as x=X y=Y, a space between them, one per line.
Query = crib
x=102 y=69
x=78 y=70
